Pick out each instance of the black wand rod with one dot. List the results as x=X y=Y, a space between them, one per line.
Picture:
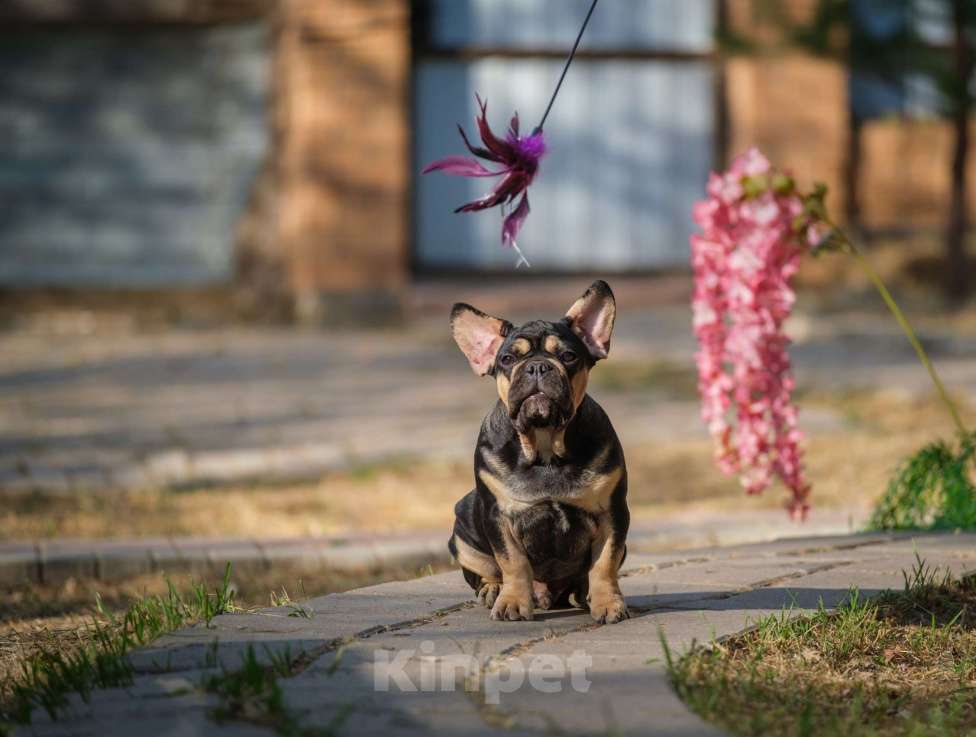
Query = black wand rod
x=569 y=60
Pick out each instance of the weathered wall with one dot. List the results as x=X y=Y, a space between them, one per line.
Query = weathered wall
x=342 y=81
x=127 y=158
x=905 y=179
x=793 y=108
x=134 y=134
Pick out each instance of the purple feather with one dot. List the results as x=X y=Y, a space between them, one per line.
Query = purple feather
x=514 y=220
x=519 y=159
x=460 y=166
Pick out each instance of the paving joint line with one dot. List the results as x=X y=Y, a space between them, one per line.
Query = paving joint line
x=736 y=591
x=493 y=715
x=306 y=658
x=837 y=547
x=651 y=567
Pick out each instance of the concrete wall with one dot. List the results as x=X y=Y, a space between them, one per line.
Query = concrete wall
x=128 y=155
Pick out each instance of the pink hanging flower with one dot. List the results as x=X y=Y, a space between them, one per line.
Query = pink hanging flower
x=754 y=233
x=518 y=157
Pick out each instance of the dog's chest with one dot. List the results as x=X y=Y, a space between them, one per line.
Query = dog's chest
x=516 y=490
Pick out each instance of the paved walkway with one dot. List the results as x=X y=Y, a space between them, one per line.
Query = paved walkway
x=419 y=657
x=56 y=561
x=181 y=408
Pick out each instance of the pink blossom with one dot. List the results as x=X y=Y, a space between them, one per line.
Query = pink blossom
x=743 y=262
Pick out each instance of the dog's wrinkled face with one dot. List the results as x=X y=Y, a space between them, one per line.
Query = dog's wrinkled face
x=541 y=368
x=541 y=371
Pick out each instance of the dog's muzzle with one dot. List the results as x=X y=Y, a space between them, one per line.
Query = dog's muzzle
x=540 y=396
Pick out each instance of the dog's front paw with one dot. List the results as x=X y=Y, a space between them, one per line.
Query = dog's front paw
x=489 y=592
x=608 y=607
x=512 y=605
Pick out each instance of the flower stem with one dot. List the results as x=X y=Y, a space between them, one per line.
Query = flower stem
x=902 y=321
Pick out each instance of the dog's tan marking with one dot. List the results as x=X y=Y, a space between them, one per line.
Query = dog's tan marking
x=559 y=442
x=504 y=384
x=595 y=489
x=506 y=502
x=477 y=562
x=527 y=443
x=605 y=600
x=553 y=345
x=559 y=367
x=591 y=494
x=543 y=440
x=521 y=346
x=514 y=601
x=578 y=387
x=497 y=466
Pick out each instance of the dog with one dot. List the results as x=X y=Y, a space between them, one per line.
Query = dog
x=546 y=524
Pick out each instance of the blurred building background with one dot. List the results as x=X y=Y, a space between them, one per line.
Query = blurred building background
x=271 y=148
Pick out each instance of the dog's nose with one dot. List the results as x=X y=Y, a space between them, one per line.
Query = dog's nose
x=538 y=368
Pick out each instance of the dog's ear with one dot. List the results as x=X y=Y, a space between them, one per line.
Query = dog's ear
x=479 y=336
x=591 y=318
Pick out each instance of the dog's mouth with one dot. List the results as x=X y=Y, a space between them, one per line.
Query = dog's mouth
x=540 y=410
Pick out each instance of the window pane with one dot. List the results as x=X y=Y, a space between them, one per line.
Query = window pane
x=677 y=25
x=630 y=147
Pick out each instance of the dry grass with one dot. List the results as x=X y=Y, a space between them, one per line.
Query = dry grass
x=381 y=498
x=849 y=467
x=904 y=664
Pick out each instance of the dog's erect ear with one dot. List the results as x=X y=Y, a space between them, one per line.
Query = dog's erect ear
x=479 y=336
x=591 y=318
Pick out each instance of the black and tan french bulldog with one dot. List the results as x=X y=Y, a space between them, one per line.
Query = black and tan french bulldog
x=546 y=524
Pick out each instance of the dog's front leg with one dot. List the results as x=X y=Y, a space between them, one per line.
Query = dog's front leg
x=514 y=601
x=606 y=602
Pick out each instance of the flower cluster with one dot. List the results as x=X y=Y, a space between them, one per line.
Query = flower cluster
x=755 y=228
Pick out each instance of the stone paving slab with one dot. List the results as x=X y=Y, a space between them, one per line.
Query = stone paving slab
x=420 y=656
x=53 y=562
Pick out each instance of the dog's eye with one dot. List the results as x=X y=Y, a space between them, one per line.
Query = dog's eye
x=507 y=360
x=567 y=356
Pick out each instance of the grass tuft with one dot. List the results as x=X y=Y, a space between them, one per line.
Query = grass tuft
x=901 y=664
x=283 y=599
x=51 y=675
x=251 y=693
x=933 y=489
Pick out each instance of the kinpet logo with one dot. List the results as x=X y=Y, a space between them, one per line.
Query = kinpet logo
x=421 y=671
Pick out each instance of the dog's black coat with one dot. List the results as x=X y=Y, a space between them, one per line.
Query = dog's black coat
x=556 y=535
x=553 y=505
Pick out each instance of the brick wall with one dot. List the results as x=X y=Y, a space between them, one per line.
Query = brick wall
x=905 y=178
x=794 y=107
x=342 y=80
